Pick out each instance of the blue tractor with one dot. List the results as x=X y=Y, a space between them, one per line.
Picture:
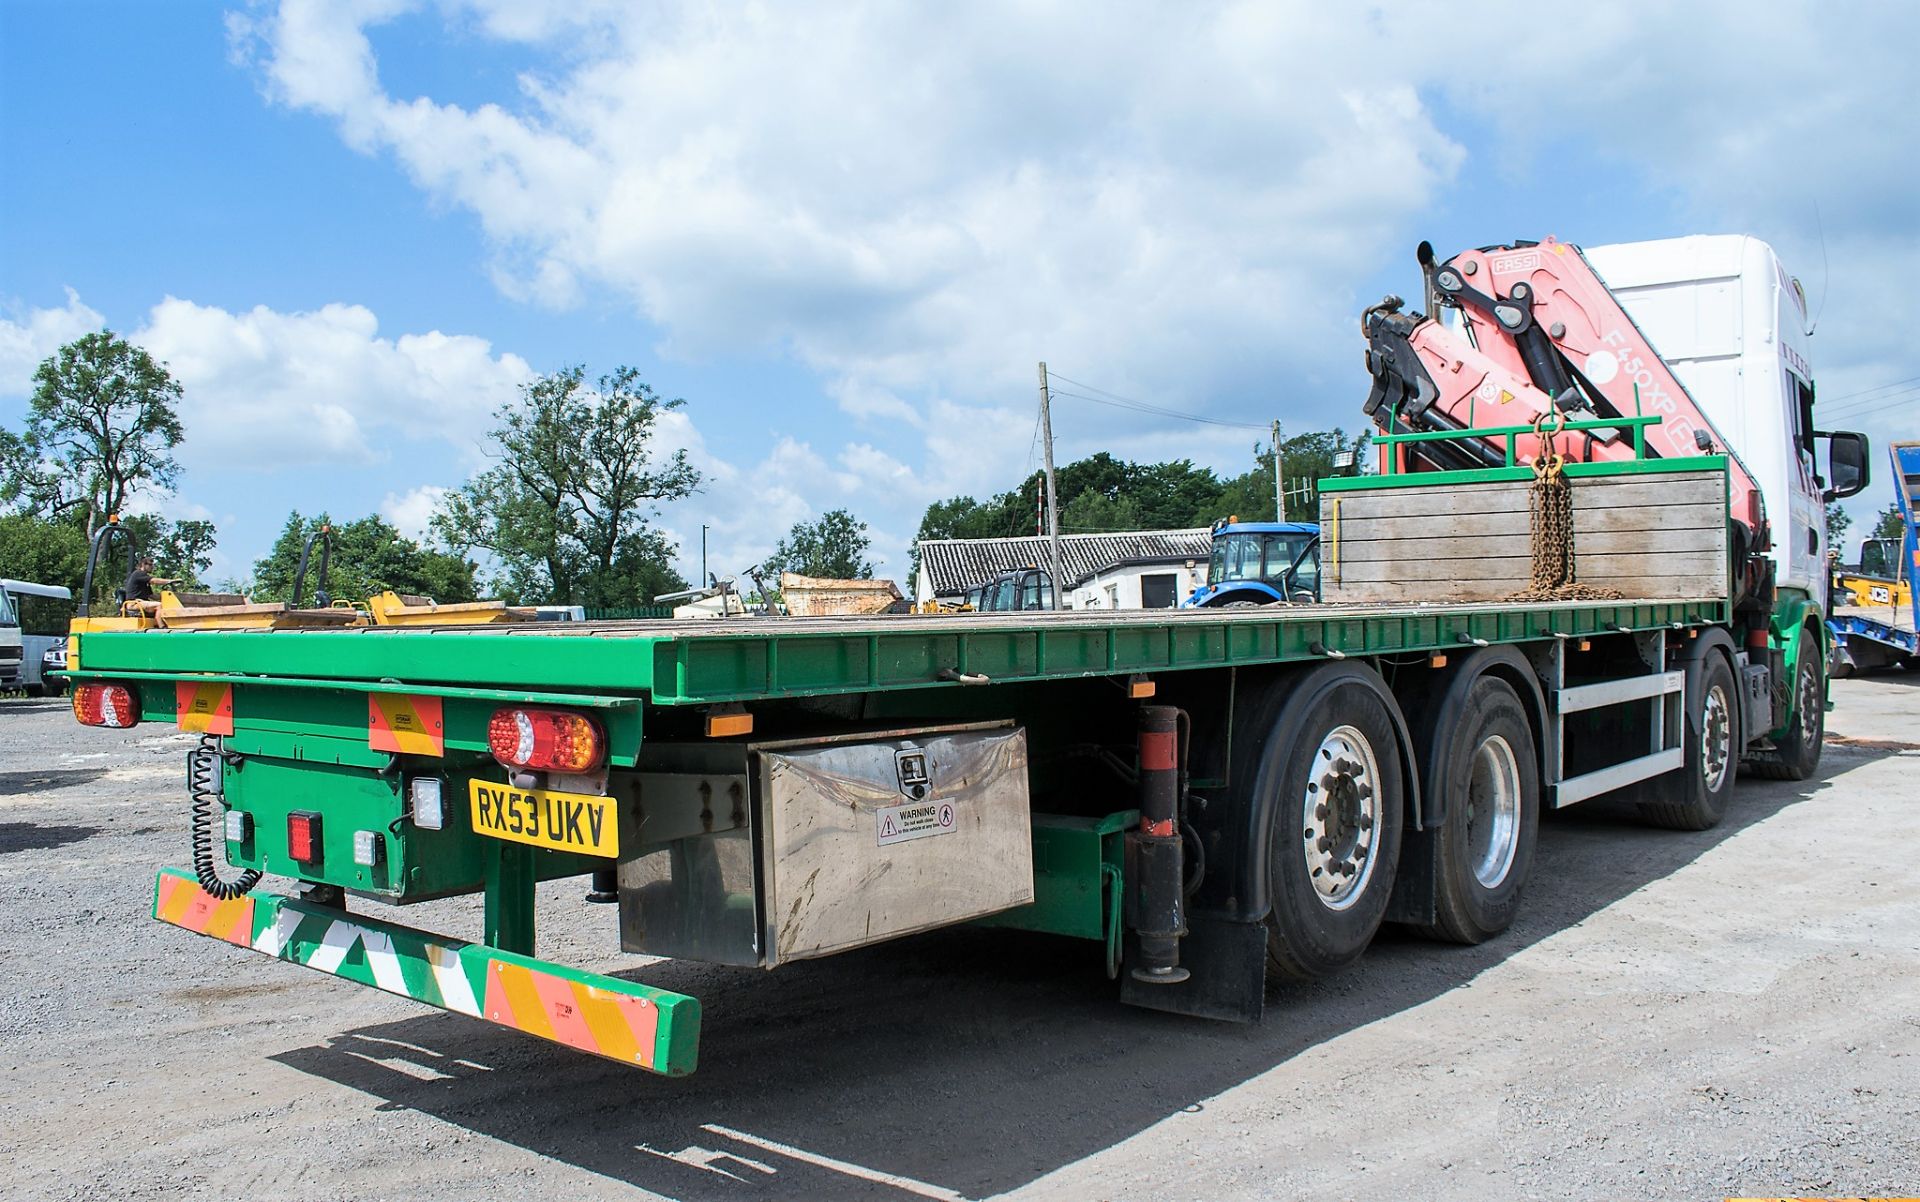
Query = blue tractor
x=1260 y=563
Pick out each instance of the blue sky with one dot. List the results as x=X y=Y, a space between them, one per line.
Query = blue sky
x=846 y=234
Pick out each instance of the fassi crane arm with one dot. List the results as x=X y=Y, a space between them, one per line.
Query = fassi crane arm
x=1541 y=330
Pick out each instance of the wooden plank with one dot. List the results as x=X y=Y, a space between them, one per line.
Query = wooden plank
x=1385 y=592
x=1515 y=522
x=1469 y=547
x=1680 y=488
x=1509 y=567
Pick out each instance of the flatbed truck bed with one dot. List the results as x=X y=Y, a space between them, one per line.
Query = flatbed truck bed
x=695 y=661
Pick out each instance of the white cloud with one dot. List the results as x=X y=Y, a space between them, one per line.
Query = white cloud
x=918 y=203
x=28 y=336
x=264 y=389
x=410 y=511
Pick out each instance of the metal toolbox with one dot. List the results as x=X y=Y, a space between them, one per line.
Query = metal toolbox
x=760 y=853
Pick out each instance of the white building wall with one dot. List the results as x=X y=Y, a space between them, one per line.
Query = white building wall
x=1119 y=588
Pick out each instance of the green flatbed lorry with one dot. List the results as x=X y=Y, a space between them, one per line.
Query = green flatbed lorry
x=1207 y=799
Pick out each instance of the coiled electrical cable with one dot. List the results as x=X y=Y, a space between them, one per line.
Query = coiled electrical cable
x=203 y=784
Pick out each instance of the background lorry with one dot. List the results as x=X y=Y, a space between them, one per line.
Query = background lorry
x=1874 y=614
x=1571 y=577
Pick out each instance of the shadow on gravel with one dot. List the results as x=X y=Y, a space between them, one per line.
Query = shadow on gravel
x=14 y=783
x=959 y=1063
x=26 y=836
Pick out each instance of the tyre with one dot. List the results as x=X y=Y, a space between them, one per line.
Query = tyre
x=1484 y=766
x=1796 y=754
x=1695 y=798
x=1330 y=773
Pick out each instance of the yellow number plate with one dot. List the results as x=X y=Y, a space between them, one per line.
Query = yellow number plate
x=578 y=822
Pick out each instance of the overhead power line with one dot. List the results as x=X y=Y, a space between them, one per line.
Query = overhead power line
x=1117 y=401
x=1874 y=404
x=1876 y=388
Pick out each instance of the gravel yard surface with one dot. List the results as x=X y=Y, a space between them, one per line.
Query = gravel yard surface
x=1735 y=1012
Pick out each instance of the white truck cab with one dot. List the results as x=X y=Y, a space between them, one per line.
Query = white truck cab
x=1731 y=323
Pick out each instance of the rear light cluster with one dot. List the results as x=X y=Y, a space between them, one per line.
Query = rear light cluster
x=545 y=740
x=105 y=705
x=303 y=836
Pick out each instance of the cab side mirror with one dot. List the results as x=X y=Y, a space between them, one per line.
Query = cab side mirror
x=1846 y=463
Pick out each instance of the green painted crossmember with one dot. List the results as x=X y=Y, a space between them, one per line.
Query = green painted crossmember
x=621 y=1020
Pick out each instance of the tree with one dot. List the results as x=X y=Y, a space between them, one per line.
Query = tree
x=1838 y=519
x=369 y=556
x=1305 y=457
x=181 y=550
x=834 y=547
x=1889 y=523
x=566 y=511
x=35 y=549
x=101 y=423
x=187 y=551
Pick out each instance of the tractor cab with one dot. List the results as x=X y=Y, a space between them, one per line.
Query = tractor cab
x=1260 y=563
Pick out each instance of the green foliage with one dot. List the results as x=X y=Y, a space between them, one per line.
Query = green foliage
x=1838 y=519
x=35 y=549
x=565 y=513
x=101 y=422
x=834 y=547
x=368 y=556
x=181 y=551
x=1102 y=494
x=1888 y=523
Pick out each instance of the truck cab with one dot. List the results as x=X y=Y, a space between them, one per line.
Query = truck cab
x=1260 y=563
x=1724 y=314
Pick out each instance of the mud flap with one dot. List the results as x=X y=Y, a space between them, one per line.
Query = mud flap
x=1418 y=878
x=1228 y=963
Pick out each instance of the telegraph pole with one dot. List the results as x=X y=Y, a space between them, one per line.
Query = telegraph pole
x=1279 y=490
x=703 y=555
x=1053 y=497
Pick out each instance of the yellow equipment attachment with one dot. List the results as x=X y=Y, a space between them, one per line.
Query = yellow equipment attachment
x=233 y=611
x=404 y=609
x=1866 y=591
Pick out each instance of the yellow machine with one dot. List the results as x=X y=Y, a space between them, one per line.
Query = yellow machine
x=1880 y=579
x=404 y=609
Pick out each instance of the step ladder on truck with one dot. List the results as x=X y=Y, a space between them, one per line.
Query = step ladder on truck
x=1874 y=621
x=1581 y=570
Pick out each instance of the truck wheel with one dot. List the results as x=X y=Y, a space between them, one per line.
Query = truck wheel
x=1492 y=791
x=1796 y=754
x=1695 y=798
x=1334 y=760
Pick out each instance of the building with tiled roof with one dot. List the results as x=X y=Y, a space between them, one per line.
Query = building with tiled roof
x=951 y=566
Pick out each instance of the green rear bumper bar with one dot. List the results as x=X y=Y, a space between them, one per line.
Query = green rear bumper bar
x=621 y=1020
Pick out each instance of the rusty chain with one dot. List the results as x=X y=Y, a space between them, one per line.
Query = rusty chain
x=1550 y=524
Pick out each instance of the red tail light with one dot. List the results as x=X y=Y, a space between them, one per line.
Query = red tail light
x=105 y=705
x=545 y=740
x=303 y=836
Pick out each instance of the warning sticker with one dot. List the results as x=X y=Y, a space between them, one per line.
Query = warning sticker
x=915 y=820
x=405 y=722
x=204 y=706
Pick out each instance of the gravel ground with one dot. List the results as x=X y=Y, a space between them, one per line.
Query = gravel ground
x=1674 y=1016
